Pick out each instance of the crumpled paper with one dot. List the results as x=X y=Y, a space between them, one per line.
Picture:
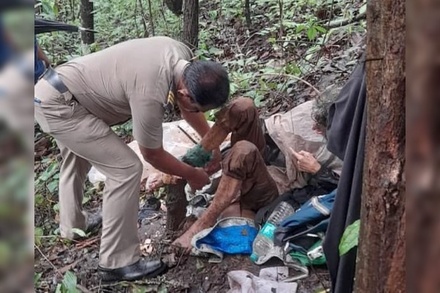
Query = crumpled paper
x=270 y=280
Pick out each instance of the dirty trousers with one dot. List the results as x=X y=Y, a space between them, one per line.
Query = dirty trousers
x=245 y=160
x=84 y=141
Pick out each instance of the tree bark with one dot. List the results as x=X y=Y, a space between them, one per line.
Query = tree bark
x=381 y=254
x=176 y=205
x=175 y=6
x=191 y=23
x=150 y=11
x=87 y=21
x=247 y=13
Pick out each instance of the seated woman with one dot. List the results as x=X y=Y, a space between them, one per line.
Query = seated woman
x=247 y=183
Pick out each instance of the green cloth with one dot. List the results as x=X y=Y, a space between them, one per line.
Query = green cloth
x=197 y=156
x=305 y=260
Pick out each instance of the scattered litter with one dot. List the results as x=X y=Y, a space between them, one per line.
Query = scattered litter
x=269 y=281
x=147 y=247
x=170 y=260
x=200 y=200
x=150 y=210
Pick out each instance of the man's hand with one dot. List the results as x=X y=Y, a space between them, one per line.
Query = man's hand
x=157 y=180
x=214 y=165
x=306 y=162
x=198 y=179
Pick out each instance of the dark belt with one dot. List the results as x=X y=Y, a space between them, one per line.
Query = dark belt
x=52 y=77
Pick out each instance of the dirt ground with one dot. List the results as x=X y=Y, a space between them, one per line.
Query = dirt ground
x=188 y=274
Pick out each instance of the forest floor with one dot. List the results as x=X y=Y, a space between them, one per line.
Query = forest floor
x=330 y=65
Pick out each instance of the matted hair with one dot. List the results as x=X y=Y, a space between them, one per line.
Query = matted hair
x=322 y=104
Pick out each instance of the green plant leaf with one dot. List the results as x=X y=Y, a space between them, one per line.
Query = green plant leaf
x=50 y=171
x=37 y=278
x=86 y=199
x=300 y=28
x=320 y=29
x=350 y=238
x=137 y=289
x=59 y=289
x=79 y=232
x=39 y=199
x=311 y=33
x=38 y=232
x=70 y=282
x=216 y=51
x=363 y=8
x=52 y=186
x=162 y=289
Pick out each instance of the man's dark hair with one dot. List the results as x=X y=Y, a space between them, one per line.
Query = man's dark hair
x=207 y=82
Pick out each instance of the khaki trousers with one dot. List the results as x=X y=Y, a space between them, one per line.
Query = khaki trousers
x=85 y=140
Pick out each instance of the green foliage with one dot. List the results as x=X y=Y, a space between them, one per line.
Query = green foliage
x=37 y=278
x=47 y=181
x=38 y=233
x=115 y=21
x=79 y=232
x=291 y=27
x=68 y=284
x=125 y=129
x=350 y=238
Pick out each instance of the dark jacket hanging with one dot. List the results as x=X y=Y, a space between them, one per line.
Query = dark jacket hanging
x=346 y=139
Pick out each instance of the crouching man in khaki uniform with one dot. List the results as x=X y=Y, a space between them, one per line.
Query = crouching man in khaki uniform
x=79 y=101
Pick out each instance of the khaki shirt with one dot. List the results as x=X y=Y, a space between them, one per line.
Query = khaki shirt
x=134 y=79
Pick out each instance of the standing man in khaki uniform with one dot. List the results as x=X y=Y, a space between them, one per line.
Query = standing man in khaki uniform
x=79 y=102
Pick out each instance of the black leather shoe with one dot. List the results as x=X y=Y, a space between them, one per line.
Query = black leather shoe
x=94 y=222
x=139 y=270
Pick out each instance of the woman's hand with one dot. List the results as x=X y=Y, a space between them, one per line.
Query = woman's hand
x=306 y=162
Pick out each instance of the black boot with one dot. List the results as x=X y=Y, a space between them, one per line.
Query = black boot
x=139 y=270
x=94 y=222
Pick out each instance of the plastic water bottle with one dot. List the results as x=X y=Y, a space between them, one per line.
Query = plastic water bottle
x=263 y=247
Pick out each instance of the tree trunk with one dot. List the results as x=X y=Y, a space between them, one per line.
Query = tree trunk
x=247 y=13
x=381 y=254
x=176 y=205
x=175 y=6
x=191 y=23
x=87 y=21
x=423 y=121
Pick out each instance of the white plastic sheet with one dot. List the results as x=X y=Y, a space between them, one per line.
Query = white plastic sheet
x=175 y=141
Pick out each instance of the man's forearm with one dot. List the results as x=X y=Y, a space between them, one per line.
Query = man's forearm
x=168 y=164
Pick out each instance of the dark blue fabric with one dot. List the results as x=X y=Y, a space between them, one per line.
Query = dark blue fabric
x=5 y=49
x=308 y=213
x=304 y=217
x=231 y=240
x=39 y=64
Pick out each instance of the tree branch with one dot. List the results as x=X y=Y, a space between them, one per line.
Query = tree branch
x=345 y=22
